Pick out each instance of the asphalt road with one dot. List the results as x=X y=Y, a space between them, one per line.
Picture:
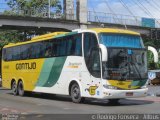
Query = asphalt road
x=54 y=104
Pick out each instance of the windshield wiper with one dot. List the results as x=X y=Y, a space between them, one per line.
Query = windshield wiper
x=137 y=70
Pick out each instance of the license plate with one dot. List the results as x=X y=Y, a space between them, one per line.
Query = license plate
x=129 y=94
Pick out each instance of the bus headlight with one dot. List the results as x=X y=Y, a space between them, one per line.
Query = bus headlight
x=110 y=87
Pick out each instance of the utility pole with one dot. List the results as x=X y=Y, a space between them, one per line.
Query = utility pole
x=82 y=13
x=69 y=9
x=49 y=8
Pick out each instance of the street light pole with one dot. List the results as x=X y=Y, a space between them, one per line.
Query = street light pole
x=49 y=8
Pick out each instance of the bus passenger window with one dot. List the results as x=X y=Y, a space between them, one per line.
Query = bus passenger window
x=4 y=54
x=48 y=52
x=24 y=51
x=78 y=44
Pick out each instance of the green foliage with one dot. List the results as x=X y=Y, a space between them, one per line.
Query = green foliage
x=14 y=36
x=156 y=44
x=32 y=7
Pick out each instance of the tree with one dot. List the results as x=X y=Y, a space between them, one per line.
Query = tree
x=33 y=7
x=37 y=8
x=13 y=36
x=154 y=43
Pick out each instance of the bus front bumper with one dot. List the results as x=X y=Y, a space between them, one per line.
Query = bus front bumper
x=115 y=94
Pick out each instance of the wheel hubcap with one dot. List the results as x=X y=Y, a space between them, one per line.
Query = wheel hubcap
x=14 y=89
x=76 y=93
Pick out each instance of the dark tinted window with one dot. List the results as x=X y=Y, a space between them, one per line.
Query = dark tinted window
x=90 y=42
x=63 y=46
x=15 y=53
x=24 y=51
x=91 y=54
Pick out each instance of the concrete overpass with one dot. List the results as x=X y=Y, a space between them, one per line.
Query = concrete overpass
x=49 y=24
x=66 y=24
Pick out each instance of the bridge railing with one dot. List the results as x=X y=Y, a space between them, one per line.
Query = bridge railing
x=102 y=17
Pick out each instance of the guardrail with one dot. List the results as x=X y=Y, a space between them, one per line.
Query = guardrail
x=93 y=16
x=102 y=17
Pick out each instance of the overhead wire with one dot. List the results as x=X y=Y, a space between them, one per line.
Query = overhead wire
x=121 y=1
x=106 y=2
x=145 y=8
x=154 y=6
x=140 y=7
x=148 y=11
x=95 y=14
x=113 y=13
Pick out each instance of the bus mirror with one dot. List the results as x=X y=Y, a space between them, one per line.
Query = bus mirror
x=104 y=52
x=155 y=53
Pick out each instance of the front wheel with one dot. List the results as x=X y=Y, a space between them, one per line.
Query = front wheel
x=14 y=88
x=76 y=94
x=114 y=101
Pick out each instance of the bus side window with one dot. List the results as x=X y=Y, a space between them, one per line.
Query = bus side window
x=48 y=49
x=37 y=49
x=42 y=49
x=90 y=42
x=4 y=54
x=74 y=45
x=54 y=47
x=29 y=50
x=69 y=45
x=61 y=45
x=9 y=54
x=78 y=44
x=24 y=51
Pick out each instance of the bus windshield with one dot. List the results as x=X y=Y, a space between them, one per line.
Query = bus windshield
x=120 y=40
x=126 y=57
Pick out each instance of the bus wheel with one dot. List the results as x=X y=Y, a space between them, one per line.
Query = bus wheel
x=14 y=88
x=114 y=101
x=76 y=94
x=20 y=88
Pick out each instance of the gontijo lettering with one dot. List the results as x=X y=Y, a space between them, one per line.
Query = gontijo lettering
x=25 y=66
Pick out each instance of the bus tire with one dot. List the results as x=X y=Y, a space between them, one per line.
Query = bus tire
x=21 y=91
x=114 y=101
x=76 y=94
x=14 y=88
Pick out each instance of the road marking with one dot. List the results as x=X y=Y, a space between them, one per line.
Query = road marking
x=66 y=108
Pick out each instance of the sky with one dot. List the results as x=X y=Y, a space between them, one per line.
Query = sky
x=142 y=8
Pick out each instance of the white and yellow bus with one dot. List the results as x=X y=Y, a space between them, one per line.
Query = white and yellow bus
x=100 y=63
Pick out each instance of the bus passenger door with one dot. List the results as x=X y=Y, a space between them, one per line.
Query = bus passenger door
x=92 y=75
x=94 y=68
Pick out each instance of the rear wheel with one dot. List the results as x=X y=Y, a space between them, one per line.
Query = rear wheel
x=20 y=88
x=14 y=88
x=76 y=94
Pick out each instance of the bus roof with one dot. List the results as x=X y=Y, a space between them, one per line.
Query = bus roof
x=39 y=38
x=112 y=30
x=59 y=34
